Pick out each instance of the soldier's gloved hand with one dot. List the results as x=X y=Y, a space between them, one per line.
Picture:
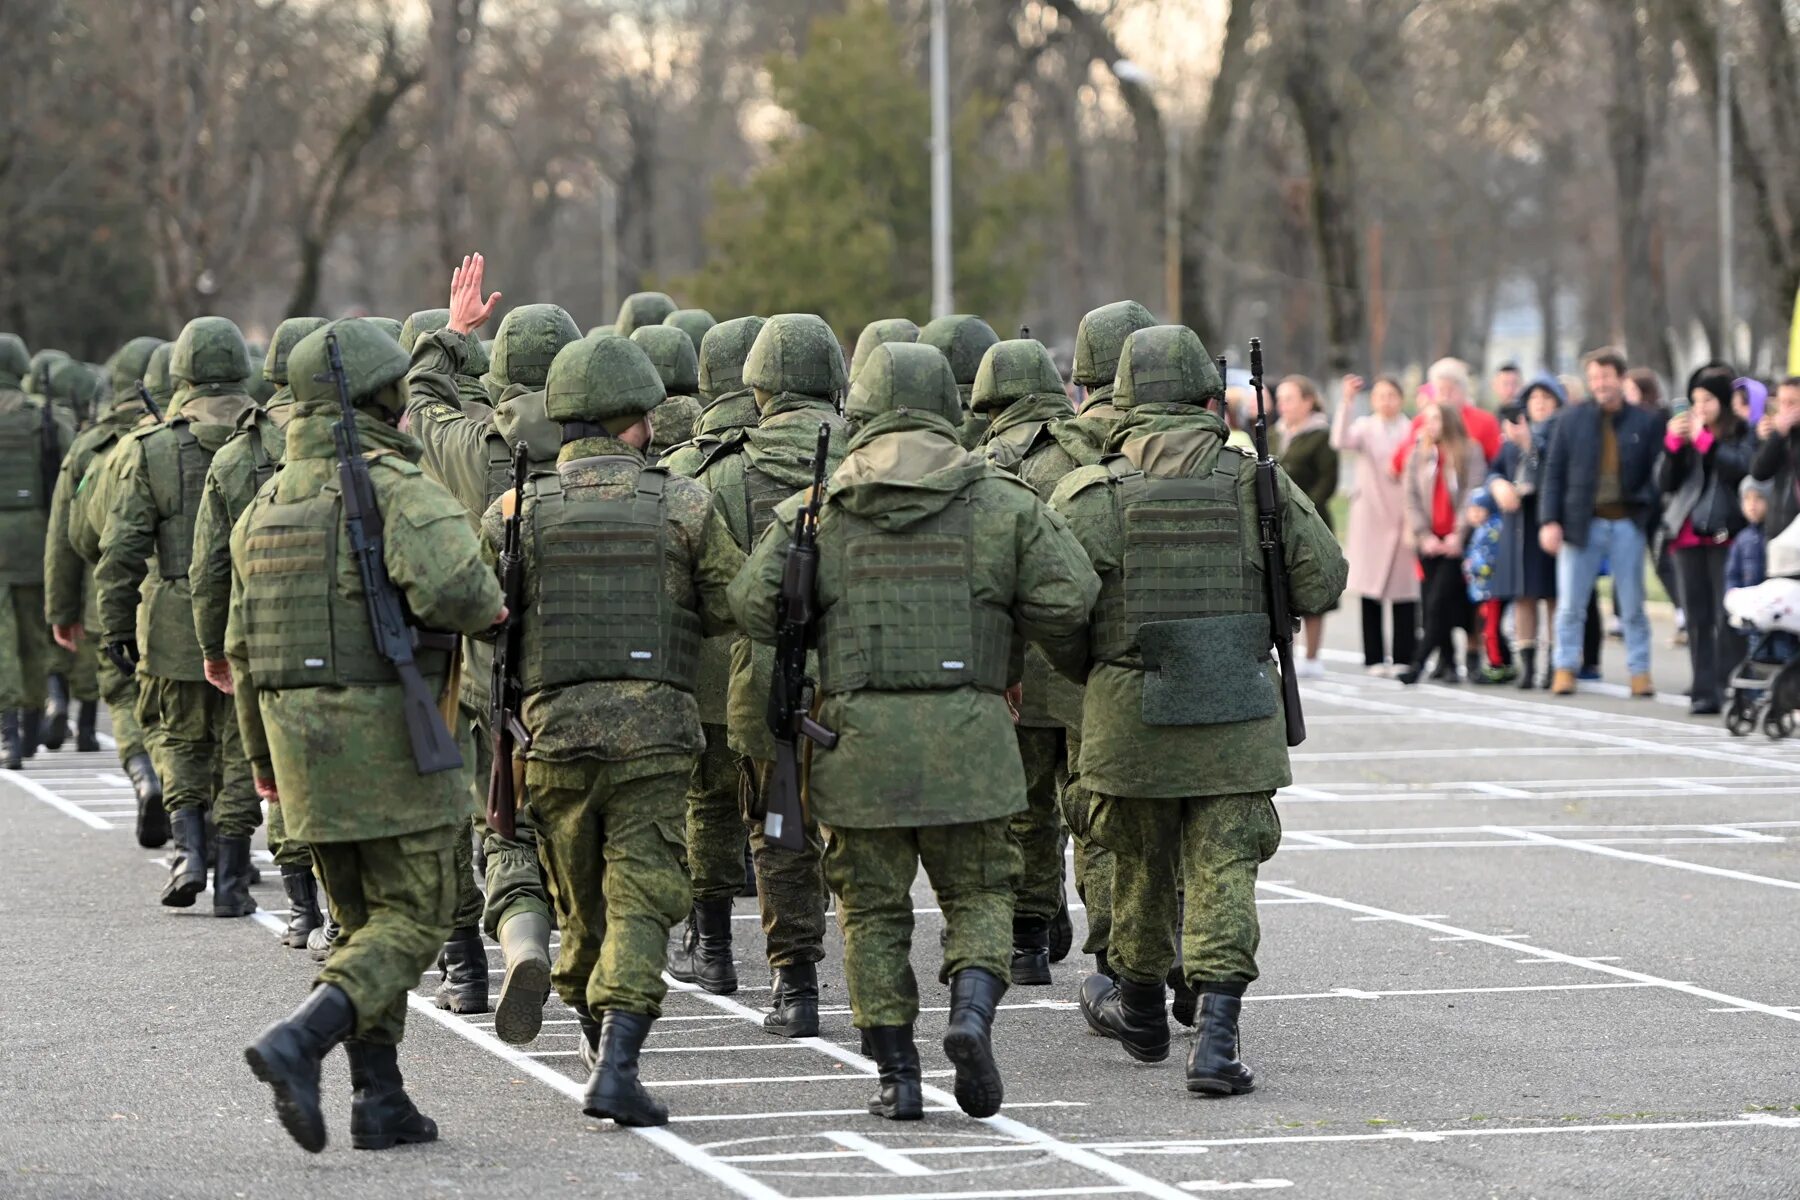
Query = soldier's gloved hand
x=124 y=654
x=218 y=673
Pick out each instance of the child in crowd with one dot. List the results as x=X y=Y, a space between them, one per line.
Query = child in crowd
x=1481 y=554
x=1746 y=567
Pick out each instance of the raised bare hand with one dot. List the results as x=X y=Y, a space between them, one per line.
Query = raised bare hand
x=468 y=311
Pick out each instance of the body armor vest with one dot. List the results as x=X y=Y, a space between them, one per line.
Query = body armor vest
x=21 y=459
x=304 y=602
x=1183 y=555
x=597 y=606
x=175 y=531
x=906 y=617
x=262 y=467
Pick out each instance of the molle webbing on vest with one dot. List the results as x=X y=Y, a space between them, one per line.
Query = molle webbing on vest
x=763 y=494
x=907 y=618
x=598 y=607
x=21 y=474
x=1183 y=555
x=175 y=532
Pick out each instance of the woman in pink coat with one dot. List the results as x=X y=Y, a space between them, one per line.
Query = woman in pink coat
x=1383 y=569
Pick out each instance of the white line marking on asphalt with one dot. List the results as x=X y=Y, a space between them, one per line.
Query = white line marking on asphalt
x=38 y=791
x=1501 y=790
x=1653 y=859
x=1317 y=839
x=1539 y=961
x=700 y=1118
x=1426 y=916
x=1589 y=964
x=1746 y=1121
x=887 y=1158
x=1009 y=1194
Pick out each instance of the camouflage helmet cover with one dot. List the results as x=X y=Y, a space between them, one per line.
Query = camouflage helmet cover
x=722 y=354
x=608 y=381
x=600 y=331
x=963 y=340
x=1166 y=364
x=210 y=350
x=287 y=336
x=128 y=364
x=641 y=309
x=876 y=333
x=157 y=380
x=900 y=375
x=796 y=352
x=1101 y=336
x=1011 y=371
x=15 y=360
x=528 y=341
x=692 y=321
x=37 y=374
x=426 y=320
x=673 y=353
x=372 y=361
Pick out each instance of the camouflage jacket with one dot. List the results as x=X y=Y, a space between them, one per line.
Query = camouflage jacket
x=672 y=423
x=24 y=530
x=1121 y=755
x=341 y=755
x=622 y=720
x=928 y=757
x=780 y=447
x=243 y=464
x=136 y=601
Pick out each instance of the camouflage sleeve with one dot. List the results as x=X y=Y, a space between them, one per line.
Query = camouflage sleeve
x=753 y=594
x=64 y=571
x=717 y=562
x=434 y=558
x=125 y=548
x=1093 y=522
x=434 y=415
x=209 y=576
x=1317 y=569
x=237 y=653
x=1056 y=589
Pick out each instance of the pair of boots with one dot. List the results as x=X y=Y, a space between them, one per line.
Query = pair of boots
x=287 y=1058
x=796 y=996
x=232 y=876
x=704 y=957
x=1132 y=1014
x=968 y=1044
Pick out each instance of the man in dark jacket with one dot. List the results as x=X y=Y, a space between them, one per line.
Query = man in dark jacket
x=1777 y=460
x=1597 y=495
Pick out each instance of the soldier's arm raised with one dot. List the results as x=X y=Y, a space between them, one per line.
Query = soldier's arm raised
x=125 y=548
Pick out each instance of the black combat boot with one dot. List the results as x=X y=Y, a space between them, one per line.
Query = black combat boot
x=1130 y=1013
x=31 y=726
x=1031 y=952
x=56 y=712
x=897 y=1058
x=187 y=868
x=590 y=1038
x=705 y=956
x=1527 y=668
x=381 y=1113
x=1213 y=1068
x=287 y=1057
x=796 y=1012
x=1062 y=930
x=303 y=905
x=12 y=755
x=87 y=716
x=463 y=960
x=231 y=878
x=969 y=1043
x=613 y=1089
x=525 y=949
x=152 y=817
x=321 y=940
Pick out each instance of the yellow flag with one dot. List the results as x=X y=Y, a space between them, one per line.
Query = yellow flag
x=1794 y=340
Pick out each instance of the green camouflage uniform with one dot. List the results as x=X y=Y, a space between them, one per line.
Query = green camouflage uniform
x=1183 y=771
x=640 y=309
x=678 y=363
x=35 y=437
x=610 y=651
x=931 y=564
x=470 y=392
x=963 y=340
x=321 y=710
x=797 y=369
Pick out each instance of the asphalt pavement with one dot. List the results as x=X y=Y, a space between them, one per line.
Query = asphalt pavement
x=1512 y=946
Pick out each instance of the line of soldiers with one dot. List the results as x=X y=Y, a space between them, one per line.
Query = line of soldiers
x=1032 y=622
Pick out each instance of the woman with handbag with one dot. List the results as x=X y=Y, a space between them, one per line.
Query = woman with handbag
x=1707 y=450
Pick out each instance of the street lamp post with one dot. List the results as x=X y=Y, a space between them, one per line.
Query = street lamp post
x=942 y=300
x=1129 y=72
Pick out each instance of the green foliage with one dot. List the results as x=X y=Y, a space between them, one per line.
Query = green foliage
x=838 y=221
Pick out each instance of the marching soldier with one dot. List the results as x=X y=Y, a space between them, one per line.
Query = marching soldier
x=931 y=563
x=1183 y=739
x=624 y=573
x=469 y=389
x=326 y=729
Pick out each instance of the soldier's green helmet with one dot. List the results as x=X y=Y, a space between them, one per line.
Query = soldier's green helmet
x=673 y=353
x=281 y=346
x=37 y=376
x=692 y=321
x=1166 y=364
x=796 y=352
x=641 y=309
x=1011 y=371
x=1101 y=336
x=605 y=381
x=877 y=333
x=904 y=375
x=963 y=340
x=527 y=343
x=75 y=384
x=426 y=320
x=722 y=354
x=15 y=360
x=387 y=325
x=210 y=350
x=128 y=364
x=600 y=331
x=157 y=380
x=373 y=363
x=479 y=358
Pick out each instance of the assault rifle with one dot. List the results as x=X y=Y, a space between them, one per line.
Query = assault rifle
x=791 y=693
x=433 y=746
x=1268 y=519
x=506 y=689
x=49 y=453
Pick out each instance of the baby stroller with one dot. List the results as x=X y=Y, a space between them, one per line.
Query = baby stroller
x=1765 y=687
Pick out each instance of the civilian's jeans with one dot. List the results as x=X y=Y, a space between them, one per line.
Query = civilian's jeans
x=1621 y=543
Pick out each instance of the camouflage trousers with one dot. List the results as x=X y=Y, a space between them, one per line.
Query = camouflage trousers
x=119 y=690
x=394 y=898
x=287 y=851
x=973 y=869
x=790 y=884
x=715 y=823
x=198 y=752
x=1208 y=846
x=514 y=875
x=613 y=839
x=25 y=648
x=1093 y=862
x=1037 y=831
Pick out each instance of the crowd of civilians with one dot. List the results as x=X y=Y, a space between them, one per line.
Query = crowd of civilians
x=1501 y=522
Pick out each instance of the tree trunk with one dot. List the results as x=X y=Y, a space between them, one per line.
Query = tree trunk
x=1632 y=129
x=1207 y=171
x=454 y=27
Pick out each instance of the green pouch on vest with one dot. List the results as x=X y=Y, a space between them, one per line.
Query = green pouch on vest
x=1207 y=671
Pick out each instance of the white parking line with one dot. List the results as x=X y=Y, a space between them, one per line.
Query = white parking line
x=38 y=791
x=1653 y=859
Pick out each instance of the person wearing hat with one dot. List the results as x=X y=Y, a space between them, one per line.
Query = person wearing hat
x=624 y=574
x=324 y=729
x=1707 y=449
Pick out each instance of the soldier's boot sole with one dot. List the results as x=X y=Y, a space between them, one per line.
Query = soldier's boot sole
x=639 y=1111
x=182 y=890
x=979 y=1089
x=1208 y=1086
x=387 y=1141
x=296 y=1097
x=519 y=1012
x=794 y=1021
